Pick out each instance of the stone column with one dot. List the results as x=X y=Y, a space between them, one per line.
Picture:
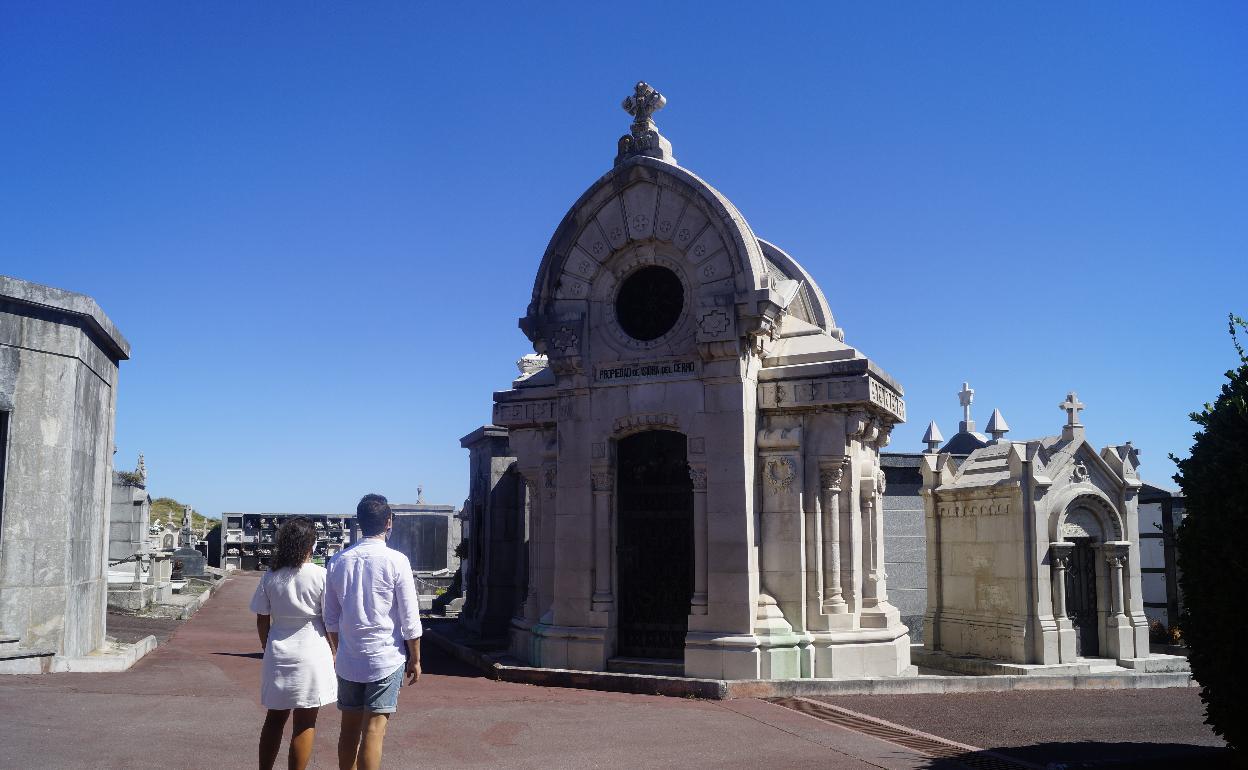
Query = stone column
x=1060 y=560
x=879 y=575
x=1115 y=559
x=1120 y=644
x=831 y=472
x=533 y=505
x=698 y=602
x=603 y=490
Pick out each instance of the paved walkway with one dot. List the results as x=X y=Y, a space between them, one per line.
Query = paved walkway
x=193 y=704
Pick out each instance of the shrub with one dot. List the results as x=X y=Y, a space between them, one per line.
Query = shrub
x=1213 y=569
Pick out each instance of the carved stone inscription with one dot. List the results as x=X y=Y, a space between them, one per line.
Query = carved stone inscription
x=644 y=370
x=525 y=413
x=886 y=398
x=830 y=391
x=956 y=509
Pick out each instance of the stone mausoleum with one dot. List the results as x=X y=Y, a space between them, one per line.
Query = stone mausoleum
x=1033 y=555
x=699 y=446
x=59 y=355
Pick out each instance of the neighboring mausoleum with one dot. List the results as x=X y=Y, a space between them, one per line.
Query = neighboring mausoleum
x=699 y=446
x=1033 y=555
x=59 y=355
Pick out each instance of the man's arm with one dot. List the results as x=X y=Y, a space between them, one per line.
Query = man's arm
x=331 y=610
x=262 y=628
x=408 y=603
x=412 y=669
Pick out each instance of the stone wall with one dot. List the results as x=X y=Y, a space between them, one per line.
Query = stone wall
x=58 y=377
x=129 y=518
x=905 y=541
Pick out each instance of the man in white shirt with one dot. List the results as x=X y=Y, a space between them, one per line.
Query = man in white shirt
x=372 y=619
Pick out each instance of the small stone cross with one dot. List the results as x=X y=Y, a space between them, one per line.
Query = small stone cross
x=1072 y=406
x=965 y=397
x=642 y=105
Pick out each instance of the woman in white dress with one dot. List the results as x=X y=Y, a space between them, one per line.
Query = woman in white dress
x=298 y=671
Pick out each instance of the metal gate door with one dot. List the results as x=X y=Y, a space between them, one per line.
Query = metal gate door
x=1081 y=597
x=654 y=545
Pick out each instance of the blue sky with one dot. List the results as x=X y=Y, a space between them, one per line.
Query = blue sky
x=318 y=223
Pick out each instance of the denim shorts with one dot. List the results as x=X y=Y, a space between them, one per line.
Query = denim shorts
x=380 y=697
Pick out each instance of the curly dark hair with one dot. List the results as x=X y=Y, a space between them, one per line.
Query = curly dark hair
x=295 y=539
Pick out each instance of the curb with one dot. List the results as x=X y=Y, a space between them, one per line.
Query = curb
x=719 y=689
x=105 y=662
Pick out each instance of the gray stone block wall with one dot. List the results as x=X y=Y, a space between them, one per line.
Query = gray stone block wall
x=905 y=540
x=129 y=518
x=58 y=377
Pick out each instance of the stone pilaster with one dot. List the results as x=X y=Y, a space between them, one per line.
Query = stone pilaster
x=603 y=481
x=698 y=603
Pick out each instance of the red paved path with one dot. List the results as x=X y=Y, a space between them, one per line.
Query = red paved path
x=193 y=703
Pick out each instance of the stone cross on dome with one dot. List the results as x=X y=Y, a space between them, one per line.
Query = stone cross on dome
x=643 y=137
x=642 y=105
x=965 y=397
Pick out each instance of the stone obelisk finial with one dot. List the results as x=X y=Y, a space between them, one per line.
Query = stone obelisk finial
x=643 y=136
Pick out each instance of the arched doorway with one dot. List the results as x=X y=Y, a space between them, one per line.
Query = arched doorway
x=654 y=545
x=1081 y=597
x=1085 y=528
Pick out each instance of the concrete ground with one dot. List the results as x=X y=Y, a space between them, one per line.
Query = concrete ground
x=1161 y=725
x=193 y=703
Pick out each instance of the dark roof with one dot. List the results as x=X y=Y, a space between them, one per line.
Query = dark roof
x=964 y=443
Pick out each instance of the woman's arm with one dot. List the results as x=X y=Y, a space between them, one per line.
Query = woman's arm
x=262 y=628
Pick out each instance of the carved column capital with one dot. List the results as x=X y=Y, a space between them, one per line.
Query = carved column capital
x=697 y=474
x=550 y=480
x=603 y=480
x=832 y=472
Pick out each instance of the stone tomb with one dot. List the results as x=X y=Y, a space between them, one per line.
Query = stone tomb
x=1033 y=556
x=699 y=448
x=59 y=355
x=493 y=568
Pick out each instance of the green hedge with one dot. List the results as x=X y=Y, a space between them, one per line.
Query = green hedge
x=1213 y=562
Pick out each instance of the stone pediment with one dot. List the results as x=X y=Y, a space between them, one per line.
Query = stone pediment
x=1077 y=463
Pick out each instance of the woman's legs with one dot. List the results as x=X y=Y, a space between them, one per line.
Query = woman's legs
x=302 y=735
x=271 y=737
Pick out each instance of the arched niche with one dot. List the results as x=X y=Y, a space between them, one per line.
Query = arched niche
x=1084 y=513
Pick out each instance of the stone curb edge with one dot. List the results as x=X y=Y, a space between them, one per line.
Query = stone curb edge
x=718 y=689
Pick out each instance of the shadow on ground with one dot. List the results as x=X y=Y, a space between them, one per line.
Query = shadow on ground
x=1094 y=754
x=434 y=661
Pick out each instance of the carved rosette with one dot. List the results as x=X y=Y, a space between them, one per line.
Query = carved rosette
x=780 y=472
x=1079 y=473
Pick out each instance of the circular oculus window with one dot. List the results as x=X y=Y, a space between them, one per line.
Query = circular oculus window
x=649 y=303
